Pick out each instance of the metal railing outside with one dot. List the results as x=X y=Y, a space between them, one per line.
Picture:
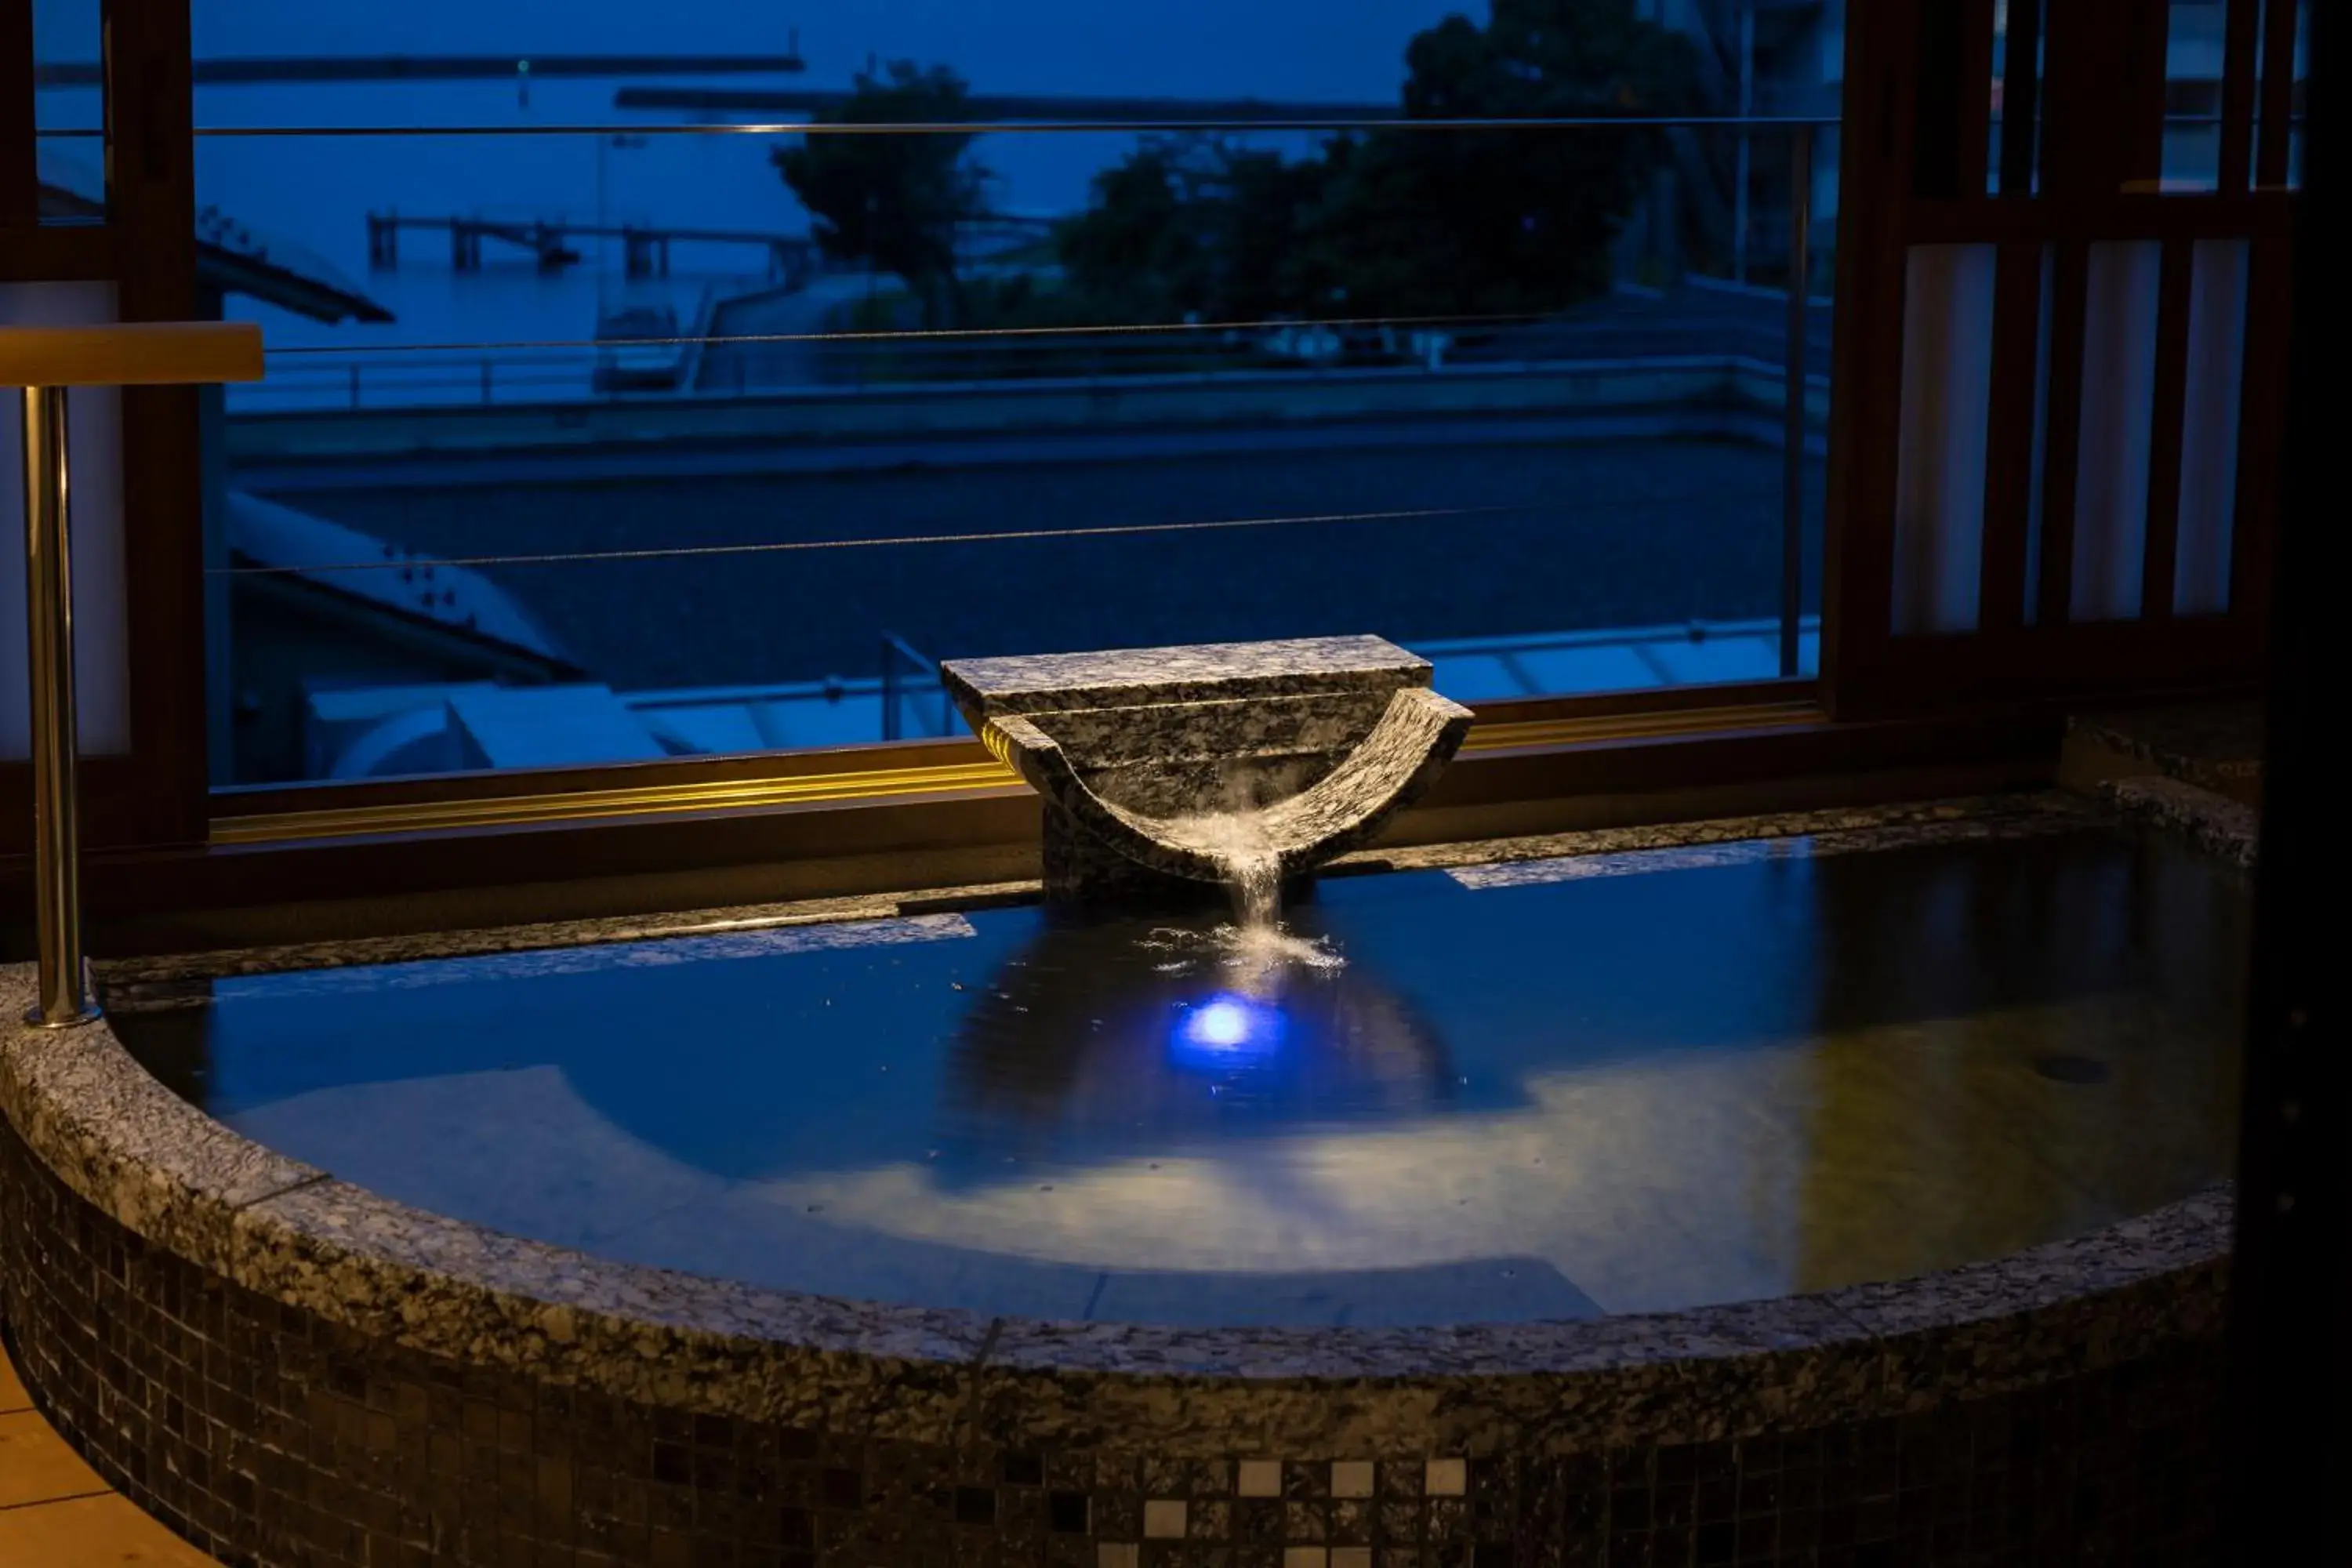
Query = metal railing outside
x=706 y=363
x=900 y=657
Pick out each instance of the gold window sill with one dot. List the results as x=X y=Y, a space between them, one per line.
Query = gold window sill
x=980 y=773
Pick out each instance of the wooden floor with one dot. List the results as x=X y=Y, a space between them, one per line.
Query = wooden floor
x=55 y=1511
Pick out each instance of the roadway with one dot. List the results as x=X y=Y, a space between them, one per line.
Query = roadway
x=1567 y=535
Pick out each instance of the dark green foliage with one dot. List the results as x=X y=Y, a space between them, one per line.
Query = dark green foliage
x=892 y=201
x=1405 y=222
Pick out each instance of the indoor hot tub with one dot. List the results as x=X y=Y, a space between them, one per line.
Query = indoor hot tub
x=1800 y=1186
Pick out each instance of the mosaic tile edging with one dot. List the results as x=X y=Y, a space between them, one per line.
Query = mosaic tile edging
x=267 y=1438
x=450 y=1289
x=148 y=1160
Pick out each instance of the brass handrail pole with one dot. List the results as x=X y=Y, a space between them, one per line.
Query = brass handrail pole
x=66 y=996
x=45 y=361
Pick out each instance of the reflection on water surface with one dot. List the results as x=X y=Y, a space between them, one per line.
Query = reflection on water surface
x=1692 y=1079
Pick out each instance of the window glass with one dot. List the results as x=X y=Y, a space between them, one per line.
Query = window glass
x=68 y=110
x=610 y=416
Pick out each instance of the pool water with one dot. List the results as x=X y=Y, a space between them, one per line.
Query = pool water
x=1546 y=1089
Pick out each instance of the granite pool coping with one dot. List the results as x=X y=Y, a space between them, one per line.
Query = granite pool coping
x=297 y=1235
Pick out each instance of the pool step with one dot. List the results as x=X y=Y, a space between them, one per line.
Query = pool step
x=2214 y=746
x=2217 y=824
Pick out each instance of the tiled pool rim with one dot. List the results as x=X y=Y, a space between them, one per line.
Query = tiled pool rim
x=141 y=1173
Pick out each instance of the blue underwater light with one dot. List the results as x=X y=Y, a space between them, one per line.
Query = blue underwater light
x=1226 y=1029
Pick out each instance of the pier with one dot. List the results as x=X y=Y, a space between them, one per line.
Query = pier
x=793 y=258
x=644 y=247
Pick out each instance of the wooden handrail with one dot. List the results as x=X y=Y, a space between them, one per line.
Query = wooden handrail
x=45 y=362
x=132 y=354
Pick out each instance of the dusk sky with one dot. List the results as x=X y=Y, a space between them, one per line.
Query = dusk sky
x=315 y=193
x=1302 y=47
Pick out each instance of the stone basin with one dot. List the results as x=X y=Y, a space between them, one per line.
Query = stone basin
x=1310 y=744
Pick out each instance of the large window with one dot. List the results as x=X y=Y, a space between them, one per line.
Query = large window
x=613 y=417
x=678 y=398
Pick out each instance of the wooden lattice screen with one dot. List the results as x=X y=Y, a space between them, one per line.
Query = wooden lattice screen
x=144 y=251
x=2060 y=372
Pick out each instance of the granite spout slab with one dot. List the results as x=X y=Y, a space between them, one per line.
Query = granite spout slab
x=1310 y=743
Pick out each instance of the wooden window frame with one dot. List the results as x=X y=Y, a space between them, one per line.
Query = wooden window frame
x=1916 y=146
x=154 y=792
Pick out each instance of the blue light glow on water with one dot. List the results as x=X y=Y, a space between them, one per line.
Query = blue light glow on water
x=1226 y=1030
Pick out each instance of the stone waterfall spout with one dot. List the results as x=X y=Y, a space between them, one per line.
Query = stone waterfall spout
x=1138 y=752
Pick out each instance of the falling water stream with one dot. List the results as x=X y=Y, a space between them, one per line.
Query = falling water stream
x=1256 y=946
